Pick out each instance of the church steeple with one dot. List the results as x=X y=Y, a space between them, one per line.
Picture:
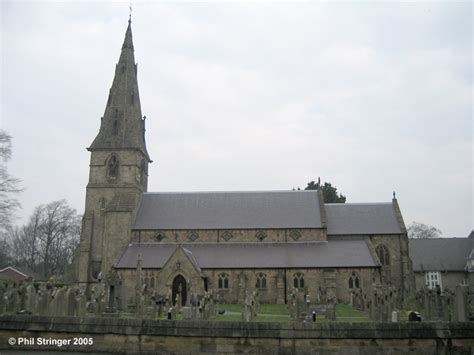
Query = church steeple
x=118 y=172
x=122 y=126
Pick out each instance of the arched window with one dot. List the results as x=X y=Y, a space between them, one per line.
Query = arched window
x=354 y=281
x=382 y=253
x=261 y=281
x=223 y=281
x=113 y=167
x=152 y=282
x=298 y=280
x=260 y=235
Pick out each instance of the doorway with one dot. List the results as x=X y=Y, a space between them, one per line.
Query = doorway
x=179 y=284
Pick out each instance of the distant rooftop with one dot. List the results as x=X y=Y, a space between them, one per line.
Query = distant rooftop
x=440 y=254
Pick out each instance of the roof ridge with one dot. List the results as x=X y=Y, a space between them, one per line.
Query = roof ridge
x=220 y=191
x=358 y=204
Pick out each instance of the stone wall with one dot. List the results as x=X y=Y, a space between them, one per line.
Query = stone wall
x=131 y=336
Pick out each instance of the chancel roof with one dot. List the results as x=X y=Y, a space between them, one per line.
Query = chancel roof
x=345 y=253
x=229 y=210
x=361 y=218
x=440 y=254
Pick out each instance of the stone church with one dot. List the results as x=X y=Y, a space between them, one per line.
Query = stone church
x=224 y=242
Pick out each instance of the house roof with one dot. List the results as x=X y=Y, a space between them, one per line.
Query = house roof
x=361 y=218
x=440 y=254
x=228 y=210
x=345 y=253
x=19 y=273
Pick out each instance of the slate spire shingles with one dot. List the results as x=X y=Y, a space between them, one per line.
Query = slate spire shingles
x=122 y=126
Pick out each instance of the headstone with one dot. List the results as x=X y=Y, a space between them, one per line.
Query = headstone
x=113 y=283
x=80 y=302
x=460 y=309
x=427 y=304
x=248 y=305
x=189 y=313
x=92 y=306
x=30 y=297
x=22 y=294
x=331 y=310
x=395 y=317
x=71 y=307
x=438 y=303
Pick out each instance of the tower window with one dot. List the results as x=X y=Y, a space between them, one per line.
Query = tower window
x=113 y=167
x=382 y=253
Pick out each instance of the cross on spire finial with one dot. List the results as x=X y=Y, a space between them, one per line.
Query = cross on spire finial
x=130 y=14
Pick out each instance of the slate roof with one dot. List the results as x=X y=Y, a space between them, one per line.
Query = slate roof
x=361 y=218
x=440 y=254
x=346 y=253
x=228 y=210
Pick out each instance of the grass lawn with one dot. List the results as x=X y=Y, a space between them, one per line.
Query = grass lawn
x=279 y=313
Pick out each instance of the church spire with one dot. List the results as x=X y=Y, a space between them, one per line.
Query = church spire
x=122 y=126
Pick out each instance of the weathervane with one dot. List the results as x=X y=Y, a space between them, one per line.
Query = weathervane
x=130 y=13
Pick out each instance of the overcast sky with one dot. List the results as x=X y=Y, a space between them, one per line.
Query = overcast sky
x=372 y=97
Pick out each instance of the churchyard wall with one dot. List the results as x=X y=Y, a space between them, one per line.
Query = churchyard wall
x=136 y=336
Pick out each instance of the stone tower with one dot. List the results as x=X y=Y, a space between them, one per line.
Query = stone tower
x=118 y=172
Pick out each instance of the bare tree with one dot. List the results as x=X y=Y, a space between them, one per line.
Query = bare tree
x=422 y=231
x=9 y=185
x=47 y=242
x=60 y=232
x=24 y=241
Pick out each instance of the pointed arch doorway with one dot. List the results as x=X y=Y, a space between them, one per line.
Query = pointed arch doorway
x=179 y=286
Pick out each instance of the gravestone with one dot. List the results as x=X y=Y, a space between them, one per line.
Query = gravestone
x=80 y=302
x=113 y=283
x=395 y=317
x=460 y=308
x=22 y=294
x=331 y=310
x=189 y=313
x=41 y=304
x=70 y=298
x=30 y=297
